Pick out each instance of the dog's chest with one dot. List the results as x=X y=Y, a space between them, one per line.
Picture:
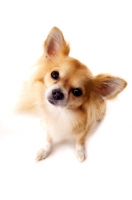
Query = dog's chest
x=61 y=123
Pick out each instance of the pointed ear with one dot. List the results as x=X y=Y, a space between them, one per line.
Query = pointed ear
x=55 y=44
x=107 y=87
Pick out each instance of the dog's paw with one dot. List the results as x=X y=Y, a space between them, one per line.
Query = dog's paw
x=81 y=157
x=42 y=154
x=80 y=153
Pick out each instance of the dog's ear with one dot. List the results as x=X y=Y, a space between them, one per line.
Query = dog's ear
x=55 y=44
x=107 y=86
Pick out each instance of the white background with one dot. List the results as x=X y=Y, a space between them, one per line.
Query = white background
x=100 y=35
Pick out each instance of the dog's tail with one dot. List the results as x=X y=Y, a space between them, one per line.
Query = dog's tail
x=29 y=98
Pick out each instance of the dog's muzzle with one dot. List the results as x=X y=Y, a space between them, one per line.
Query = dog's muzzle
x=56 y=97
x=57 y=94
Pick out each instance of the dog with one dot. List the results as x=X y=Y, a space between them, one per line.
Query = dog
x=69 y=99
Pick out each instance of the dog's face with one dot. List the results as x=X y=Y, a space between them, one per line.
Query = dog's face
x=69 y=83
x=66 y=83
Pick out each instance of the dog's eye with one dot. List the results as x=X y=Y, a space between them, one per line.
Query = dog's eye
x=77 y=92
x=55 y=75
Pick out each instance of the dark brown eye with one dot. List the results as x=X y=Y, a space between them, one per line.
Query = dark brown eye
x=77 y=92
x=55 y=75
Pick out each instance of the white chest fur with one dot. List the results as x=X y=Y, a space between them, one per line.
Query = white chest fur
x=60 y=122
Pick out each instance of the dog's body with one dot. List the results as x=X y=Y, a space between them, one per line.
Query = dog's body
x=68 y=98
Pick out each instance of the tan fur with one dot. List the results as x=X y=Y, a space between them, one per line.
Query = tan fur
x=75 y=116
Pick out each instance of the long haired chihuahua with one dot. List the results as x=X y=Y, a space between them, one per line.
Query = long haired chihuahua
x=66 y=95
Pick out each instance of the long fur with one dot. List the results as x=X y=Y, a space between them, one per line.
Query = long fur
x=74 y=116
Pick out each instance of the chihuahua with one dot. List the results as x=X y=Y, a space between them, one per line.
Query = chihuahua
x=69 y=99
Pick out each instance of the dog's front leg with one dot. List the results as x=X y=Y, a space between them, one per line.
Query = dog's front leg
x=45 y=151
x=80 y=146
x=80 y=152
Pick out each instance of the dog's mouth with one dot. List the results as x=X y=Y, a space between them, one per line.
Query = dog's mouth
x=57 y=103
x=51 y=101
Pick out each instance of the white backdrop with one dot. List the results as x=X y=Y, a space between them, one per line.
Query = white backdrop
x=100 y=35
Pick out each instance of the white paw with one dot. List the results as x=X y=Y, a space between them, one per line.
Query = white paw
x=42 y=154
x=80 y=153
x=81 y=156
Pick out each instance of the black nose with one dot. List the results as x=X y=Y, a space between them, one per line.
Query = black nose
x=57 y=94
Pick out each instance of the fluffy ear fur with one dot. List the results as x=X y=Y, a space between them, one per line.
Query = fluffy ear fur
x=107 y=87
x=55 y=44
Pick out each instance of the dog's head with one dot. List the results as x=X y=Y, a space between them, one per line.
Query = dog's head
x=68 y=82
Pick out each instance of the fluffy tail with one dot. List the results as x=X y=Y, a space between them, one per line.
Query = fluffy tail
x=30 y=98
